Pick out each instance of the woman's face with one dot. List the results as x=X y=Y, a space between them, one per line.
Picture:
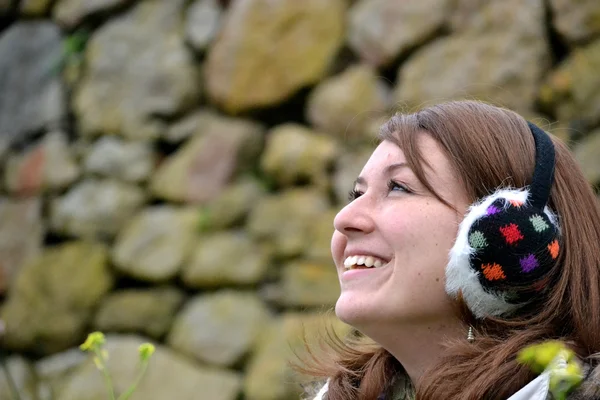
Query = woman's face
x=402 y=229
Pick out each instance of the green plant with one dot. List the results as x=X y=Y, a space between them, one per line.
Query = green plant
x=560 y=362
x=94 y=344
x=73 y=48
x=204 y=219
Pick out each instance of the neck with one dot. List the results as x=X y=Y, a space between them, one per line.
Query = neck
x=419 y=346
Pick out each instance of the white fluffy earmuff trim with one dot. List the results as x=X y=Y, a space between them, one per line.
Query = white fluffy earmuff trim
x=462 y=278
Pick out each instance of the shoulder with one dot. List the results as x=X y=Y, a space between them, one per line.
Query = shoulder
x=559 y=377
x=588 y=390
x=590 y=387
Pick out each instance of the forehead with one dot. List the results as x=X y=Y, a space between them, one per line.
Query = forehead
x=434 y=161
x=436 y=166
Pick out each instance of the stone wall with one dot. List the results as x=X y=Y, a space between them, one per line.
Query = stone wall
x=170 y=169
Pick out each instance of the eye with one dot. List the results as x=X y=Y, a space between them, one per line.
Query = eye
x=394 y=186
x=354 y=194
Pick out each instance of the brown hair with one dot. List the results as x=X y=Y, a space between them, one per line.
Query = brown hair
x=488 y=147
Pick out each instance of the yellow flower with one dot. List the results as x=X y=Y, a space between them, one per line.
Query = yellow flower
x=563 y=380
x=93 y=341
x=539 y=356
x=146 y=350
x=99 y=363
x=559 y=361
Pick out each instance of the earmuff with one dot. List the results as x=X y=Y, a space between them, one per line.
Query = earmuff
x=507 y=243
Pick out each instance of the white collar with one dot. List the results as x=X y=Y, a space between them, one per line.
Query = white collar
x=537 y=389
x=322 y=392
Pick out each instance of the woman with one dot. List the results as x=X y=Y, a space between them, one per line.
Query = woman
x=470 y=234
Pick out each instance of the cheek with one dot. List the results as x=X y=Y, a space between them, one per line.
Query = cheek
x=427 y=243
x=439 y=229
x=338 y=243
x=425 y=275
x=437 y=245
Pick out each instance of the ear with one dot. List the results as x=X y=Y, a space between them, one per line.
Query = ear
x=503 y=252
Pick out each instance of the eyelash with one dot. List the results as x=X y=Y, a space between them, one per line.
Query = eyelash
x=355 y=194
x=393 y=184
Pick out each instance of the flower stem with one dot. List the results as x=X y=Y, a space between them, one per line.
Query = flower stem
x=107 y=380
x=138 y=379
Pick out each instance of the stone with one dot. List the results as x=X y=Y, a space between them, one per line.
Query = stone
x=5 y=6
x=203 y=18
x=146 y=311
x=233 y=204
x=168 y=374
x=570 y=89
x=53 y=368
x=348 y=167
x=481 y=16
x=21 y=236
x=285 y=219
x=319 y=240
x=267 y=50
x=139 y=58
x=35 y=8
x=225 y=258
x=587 y=153
x=503 y=66
x=576 y=20
x=230 y=322
x=155 y=244
x=95 y=208
x=71 y=13
x=47 y=166
x=269 y=373
x=29 y=54
x=23 y=377
x=200 y=170
x=59 y=364
x=188 y=125
x=115 y=158
x=381 y=31
x=562 y=130
x=53 y=297
x=308 y=284
x=349 y=105
x=294 y=153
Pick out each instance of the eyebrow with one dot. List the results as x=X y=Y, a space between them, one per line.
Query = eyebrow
x=387 y=171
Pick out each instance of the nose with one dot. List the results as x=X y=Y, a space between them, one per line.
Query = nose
x=355 y=218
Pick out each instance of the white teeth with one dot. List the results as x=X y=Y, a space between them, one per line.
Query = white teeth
x=367 y=261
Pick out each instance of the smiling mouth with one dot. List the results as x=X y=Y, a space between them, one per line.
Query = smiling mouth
x=363 y=262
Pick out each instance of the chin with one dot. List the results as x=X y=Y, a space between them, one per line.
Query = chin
x=352 y=311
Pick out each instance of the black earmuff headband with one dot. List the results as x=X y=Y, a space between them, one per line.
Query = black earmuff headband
x=543 y=174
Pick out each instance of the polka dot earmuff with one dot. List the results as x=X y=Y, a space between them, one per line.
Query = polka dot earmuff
x=507 y=243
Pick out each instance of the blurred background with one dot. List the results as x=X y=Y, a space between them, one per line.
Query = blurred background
x=170 y=169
